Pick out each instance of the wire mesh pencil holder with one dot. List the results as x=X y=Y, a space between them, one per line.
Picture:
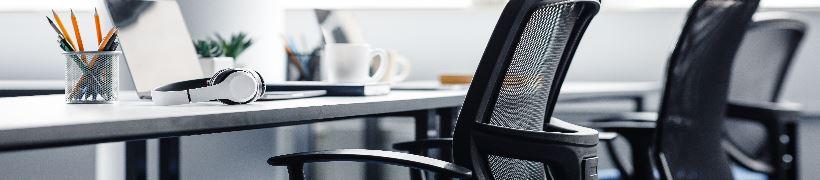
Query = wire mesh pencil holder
x=92 y=77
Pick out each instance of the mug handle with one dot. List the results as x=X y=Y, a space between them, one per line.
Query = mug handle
x=380 y=72
x=405 y=68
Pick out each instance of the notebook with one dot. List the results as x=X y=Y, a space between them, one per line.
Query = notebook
x=333 y=89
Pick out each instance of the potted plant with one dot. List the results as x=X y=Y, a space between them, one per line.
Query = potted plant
x=236 y=45
x=215 y=55
x=211 y=57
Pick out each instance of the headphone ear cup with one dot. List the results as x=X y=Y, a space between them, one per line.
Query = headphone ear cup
x=220 y=76
x=261 y=88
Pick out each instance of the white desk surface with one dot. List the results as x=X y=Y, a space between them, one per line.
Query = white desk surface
x=48 y=121
x=50 y=110
x=37 y=121
x=570 y=88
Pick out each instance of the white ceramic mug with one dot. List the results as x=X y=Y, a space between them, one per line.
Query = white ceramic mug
x=398 y=68
x=350 y=63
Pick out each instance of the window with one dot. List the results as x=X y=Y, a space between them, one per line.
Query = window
x=376 y=4
x=43 y=5
x=655 y=4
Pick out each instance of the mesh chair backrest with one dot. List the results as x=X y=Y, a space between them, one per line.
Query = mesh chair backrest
x=764 y=58
x=690 y=124
x=519 y=76
x=524 y=95
x=760 y=68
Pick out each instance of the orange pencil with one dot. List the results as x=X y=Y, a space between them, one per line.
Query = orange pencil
x=62 y=29
x=97 y=25
x=77 y=31
x=108 y=36
x=102 y=45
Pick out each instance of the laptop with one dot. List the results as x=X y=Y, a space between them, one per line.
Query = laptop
x=157 y=46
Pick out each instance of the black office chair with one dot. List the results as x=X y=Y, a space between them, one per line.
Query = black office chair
x=758 y=77
x=690 y=121
x=764 y=143
x=504 y=130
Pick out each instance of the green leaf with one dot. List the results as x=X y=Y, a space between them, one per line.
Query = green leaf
x=237 y=44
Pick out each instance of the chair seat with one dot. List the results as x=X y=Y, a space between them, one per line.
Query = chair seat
x=738 y=173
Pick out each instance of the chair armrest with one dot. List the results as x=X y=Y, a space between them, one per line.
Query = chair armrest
x=760 y=111
x=631 y=117
x=635 y=120
x=607 y=136
x=363 y=155
x=448 y=142
x=555 y=131
x=423 y=144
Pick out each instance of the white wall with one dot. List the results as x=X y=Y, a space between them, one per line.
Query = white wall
x=262 y=20
x=619 y=45
x=237 y=155
x=29 y=51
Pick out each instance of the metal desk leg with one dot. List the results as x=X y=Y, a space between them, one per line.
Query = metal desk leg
x=169 y=158
x=373 y=139
x=445 y=130
x=135 y=160
x=639 y=104
x=422 y=118
x=447 y=119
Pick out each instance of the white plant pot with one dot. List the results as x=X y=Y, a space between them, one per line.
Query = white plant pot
x=212 y=65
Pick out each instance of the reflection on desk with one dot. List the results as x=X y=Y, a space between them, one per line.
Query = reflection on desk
x=570 y=91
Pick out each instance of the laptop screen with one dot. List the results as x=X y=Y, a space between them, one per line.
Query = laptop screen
x=155 y=42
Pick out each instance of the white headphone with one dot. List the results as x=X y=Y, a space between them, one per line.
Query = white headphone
x=229 y=86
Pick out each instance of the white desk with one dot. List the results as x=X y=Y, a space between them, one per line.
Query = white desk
x=34 y=121
x=46 y=121
x=43 y=121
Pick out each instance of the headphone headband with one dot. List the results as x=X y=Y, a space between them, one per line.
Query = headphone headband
x=229 y=86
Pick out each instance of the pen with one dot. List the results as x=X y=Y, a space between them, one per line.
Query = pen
x=295 y=61
x=63 y=43
x=109 y=38
x=110 y=46
x=50 y=22
x=63 y=30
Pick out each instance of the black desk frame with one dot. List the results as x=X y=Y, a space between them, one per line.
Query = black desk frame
x=169 y=165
